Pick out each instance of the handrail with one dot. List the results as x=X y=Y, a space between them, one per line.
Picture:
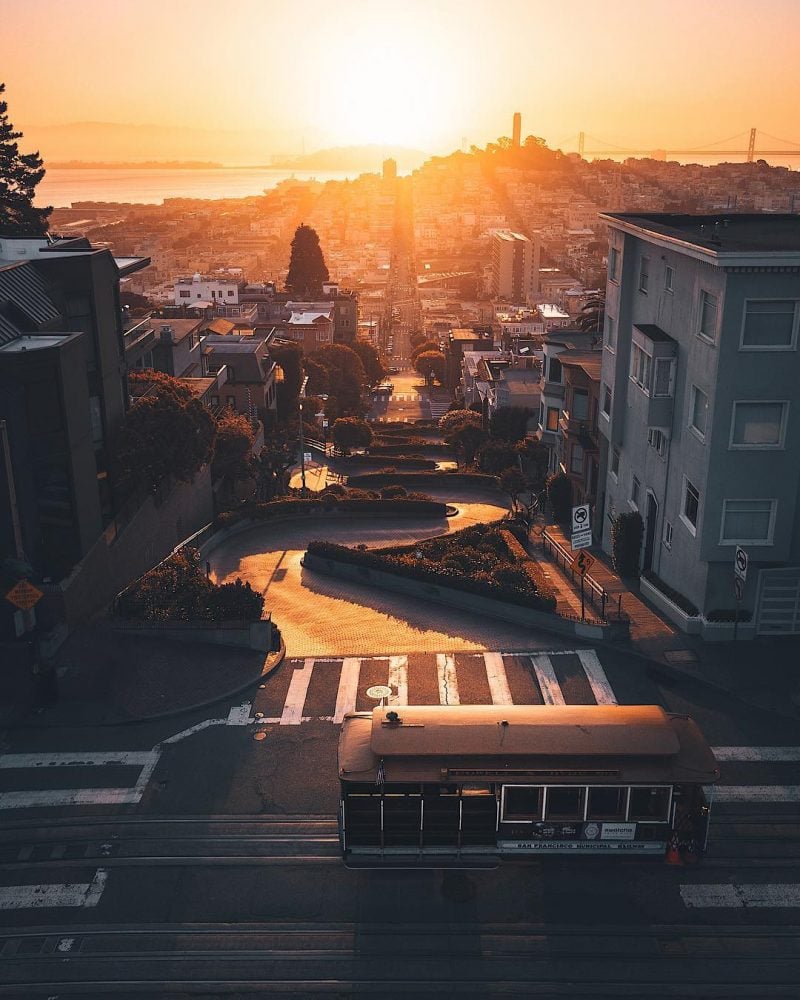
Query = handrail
x=594 y=592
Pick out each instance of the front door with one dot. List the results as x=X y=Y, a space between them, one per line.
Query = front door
x=650 y=532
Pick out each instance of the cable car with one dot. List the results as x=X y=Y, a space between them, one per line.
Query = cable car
x=471 y=784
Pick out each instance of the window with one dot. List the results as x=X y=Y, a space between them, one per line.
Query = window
x=747 y=522
x=230 y=401
x=641 y=367
x=662 y=385
x=657 y=439
x=96 y=419
x=668 y=534
x=541 y=414
x=607 y=803
x=230 y=292
x=615 y=463
x=698 y=414
x=576 y=460
x=522 y=803
x=691 y=504
x=644 y=274
x=669 y=279
x=214 y=402
x=758 y=425
x=649 y=805
x=580 y=404
x=636 y=489
x=613 y=264
x=554 y=370
x=552 y=418
x=607 y=400
x=611 y=333
x=184 y=293
x=770 y=324
x=708 y=316
x=564 y=803
x=213 y=294
x=231 y=373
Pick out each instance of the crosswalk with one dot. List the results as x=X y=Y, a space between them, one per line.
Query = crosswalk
x=325 y=689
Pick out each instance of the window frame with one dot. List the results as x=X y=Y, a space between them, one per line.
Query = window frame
x=613 y=264
x=611 y=331
x=557 y=411
x=773 y=514
x=644 y=385
x=667 y=812
x=584 y=798
x=505 y=819
x=699 y=434
x=668 y=534
x=792 y=346
x=708 y=338
x=636 y=492
x=607 y=399
x=644 y=274
x=669 y=278
x=671 y=382
x=615 y=460
x=573 y=455
x=781 y=445
x=579 y=393
x=691 y=527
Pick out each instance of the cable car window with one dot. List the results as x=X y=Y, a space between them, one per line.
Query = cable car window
x=607 y=803
x=469 y=791
x=649 y=805
x=565 y=803
x=522 y=803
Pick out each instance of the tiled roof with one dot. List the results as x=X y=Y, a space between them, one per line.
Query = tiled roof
x=22 y=284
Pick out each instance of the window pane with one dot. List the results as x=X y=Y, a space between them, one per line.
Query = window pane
x=522 y=803
x=611 y=333
x=552 y=418
x=768 y=324
x=607 y=803
x=708 y=315
x=576 y=465
x=691 y=503
x=615 y=462
x=555 y=370
x=699 y=410
x=649 y=804
x=564 y=803
x=747 y=520
x=580 y=405
x=606 y=400
x=663 y=373
x=757 y=423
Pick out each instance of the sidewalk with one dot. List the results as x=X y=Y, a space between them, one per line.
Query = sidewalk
x=762 y=673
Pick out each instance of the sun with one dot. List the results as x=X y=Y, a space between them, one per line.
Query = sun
x=400 y=95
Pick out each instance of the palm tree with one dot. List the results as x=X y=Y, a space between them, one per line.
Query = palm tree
x=593 y=315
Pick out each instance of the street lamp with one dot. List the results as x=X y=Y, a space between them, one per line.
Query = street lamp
x=300 y=399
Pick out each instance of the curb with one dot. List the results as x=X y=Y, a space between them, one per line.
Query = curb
x=271 y=664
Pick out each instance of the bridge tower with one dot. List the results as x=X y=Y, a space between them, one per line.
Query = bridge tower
x=751 y=148
x=581 y=143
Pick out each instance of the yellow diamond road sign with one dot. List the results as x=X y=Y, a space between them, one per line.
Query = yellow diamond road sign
x=24 y=595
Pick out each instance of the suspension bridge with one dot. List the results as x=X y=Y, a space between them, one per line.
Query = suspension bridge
x=717 y=148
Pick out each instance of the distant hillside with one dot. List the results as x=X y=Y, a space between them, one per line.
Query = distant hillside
x=350 y=158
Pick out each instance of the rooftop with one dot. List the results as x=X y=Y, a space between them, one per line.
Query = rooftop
x=720 y=233
x=591 y=362
x=37 y=342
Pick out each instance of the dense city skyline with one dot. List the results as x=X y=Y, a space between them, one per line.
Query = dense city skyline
x=414 y=76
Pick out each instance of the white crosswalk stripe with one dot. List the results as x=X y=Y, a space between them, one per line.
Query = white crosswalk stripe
x=398 y=680
x=45 y=896
x=734 y=896
x=770 y=755
x=547 y=680
x=448 y=685
x=498 y=681
x=296 y=696
x=348 y=688
x=601 y=689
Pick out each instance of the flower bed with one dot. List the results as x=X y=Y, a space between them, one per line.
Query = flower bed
x=686 y=606
x=478 y=560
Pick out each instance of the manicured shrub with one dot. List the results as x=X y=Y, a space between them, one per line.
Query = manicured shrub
x=674 y=595
x=392 y=492
x=626 y=542
x=559 y=493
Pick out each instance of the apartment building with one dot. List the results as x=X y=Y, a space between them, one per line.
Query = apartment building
x=515 y=266
x=556 y=346
x=700 y=409
x=224 y=288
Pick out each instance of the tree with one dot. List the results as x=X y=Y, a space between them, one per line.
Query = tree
x=417 y=337
x=422 y=346
x=468 y=438
x=559 y=493
x=271 y=466
x=455 y=418
x=373 y=368
x=513 y=483
x=290 y=359
x=535 y=461
x=319 y=382
x=307 y=269
x=509 y=423
x=626 y=542
x=431 y=363
x=20 y=173
x=495 y=456
x=165 y=433
x=346 y=376
x=351 y=432
x=593 y=315
x=232 y=449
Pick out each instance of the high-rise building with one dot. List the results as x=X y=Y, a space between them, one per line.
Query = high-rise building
x=390 y=169
x=516 y=134
x=700 y=412
x=512 y=266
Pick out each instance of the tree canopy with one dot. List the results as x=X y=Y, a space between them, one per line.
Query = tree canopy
x=509 y=423
x=351 y=432
x=307 y=269
x=232 y=448
x=346 y=377
x=373 y=368
x=19 y=175
x=431 y=363
x=165 y=433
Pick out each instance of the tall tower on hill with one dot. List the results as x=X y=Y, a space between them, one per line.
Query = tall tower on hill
x=516 y=135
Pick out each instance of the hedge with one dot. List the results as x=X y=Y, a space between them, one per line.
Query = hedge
x=675 y=596
x=412 y=503
x=417 y=462
x=446 y=578
x=438 y=477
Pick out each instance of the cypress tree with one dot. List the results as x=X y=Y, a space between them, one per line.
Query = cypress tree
x=19 y=175
x=307 y=268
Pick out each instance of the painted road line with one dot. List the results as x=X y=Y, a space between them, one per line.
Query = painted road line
x=196 y=728
x=132 y=758
x=754 y=793
x=498 y=681
x=601 y=689
x=348 y=688
x=292 y=714
x=398 y=680
x=39 y=897
x=765 y=754
x=53 y=797
x=448 y=683
x=547 y=680
x=730 y=896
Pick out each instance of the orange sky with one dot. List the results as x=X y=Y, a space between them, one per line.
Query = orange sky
x=420 y=73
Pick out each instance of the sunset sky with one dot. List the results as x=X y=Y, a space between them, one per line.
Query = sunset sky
x=420 y=73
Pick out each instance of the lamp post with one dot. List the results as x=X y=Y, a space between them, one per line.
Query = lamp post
x=300 y=399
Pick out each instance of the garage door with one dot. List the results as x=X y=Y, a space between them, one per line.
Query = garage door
x=779 y=602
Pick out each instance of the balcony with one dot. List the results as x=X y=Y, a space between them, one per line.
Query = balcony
x=659 y=411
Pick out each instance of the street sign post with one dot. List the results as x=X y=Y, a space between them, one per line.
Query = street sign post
x=581 y=565
x=24 y=595
x=581 y=540
x=740 y=563
x=580 y=518
x=738 y=588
